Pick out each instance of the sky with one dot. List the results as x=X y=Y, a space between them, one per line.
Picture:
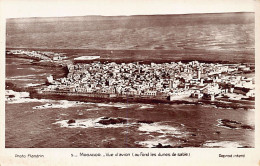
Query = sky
x=53 y=8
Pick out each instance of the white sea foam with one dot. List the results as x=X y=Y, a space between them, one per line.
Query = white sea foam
x=22 y=76
x=79 y=123
x=108 y=139
x=117 y=105
x=92 y=109
x=31 y=84
x=17 y=94
x=122 y=105
x=31 y=68
x=60 y=104
x=20 y=79
x=27 y=100
x=21 y=97
x=104 y=105
x=161 y=136
x=221 y=144
x=88 y=123
x=154 y=142
x=146 y=106
x=221 y=125
x=158 y=128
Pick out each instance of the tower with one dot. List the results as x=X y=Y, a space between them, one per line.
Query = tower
x=199 y=73
x=50 y=79
x=212 y=97
x=171 y=83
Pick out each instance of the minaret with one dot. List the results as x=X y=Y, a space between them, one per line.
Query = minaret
x=171 y=83
x=199 y=73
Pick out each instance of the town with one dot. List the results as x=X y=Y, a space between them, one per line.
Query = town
x=167 y=81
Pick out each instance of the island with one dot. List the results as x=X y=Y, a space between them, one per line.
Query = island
x=190 y=82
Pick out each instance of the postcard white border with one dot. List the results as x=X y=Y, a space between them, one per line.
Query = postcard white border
x=62 y=156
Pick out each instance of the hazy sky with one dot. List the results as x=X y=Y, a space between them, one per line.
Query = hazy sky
x=49 y=8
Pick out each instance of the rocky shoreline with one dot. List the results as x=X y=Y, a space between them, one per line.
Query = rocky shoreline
x=75 y=97
x=56 y=96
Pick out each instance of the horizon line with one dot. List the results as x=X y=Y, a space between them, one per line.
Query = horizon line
x=128 y=15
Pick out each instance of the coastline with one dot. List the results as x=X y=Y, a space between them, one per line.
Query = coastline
x=219 y=103
x=134 y=54
x=126 y=99
x=246 y=105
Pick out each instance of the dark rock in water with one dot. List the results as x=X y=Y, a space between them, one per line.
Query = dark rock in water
x=145 y=121
x=109 y=121
x=229 y=121
x=105 y=117
x=159 y=145
x=247 y=127
x=230 y=126
x=234 y=124
x=71 y=121
x=246 y=147
x=11 y=96
x=162 y=146
x=193 y=135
